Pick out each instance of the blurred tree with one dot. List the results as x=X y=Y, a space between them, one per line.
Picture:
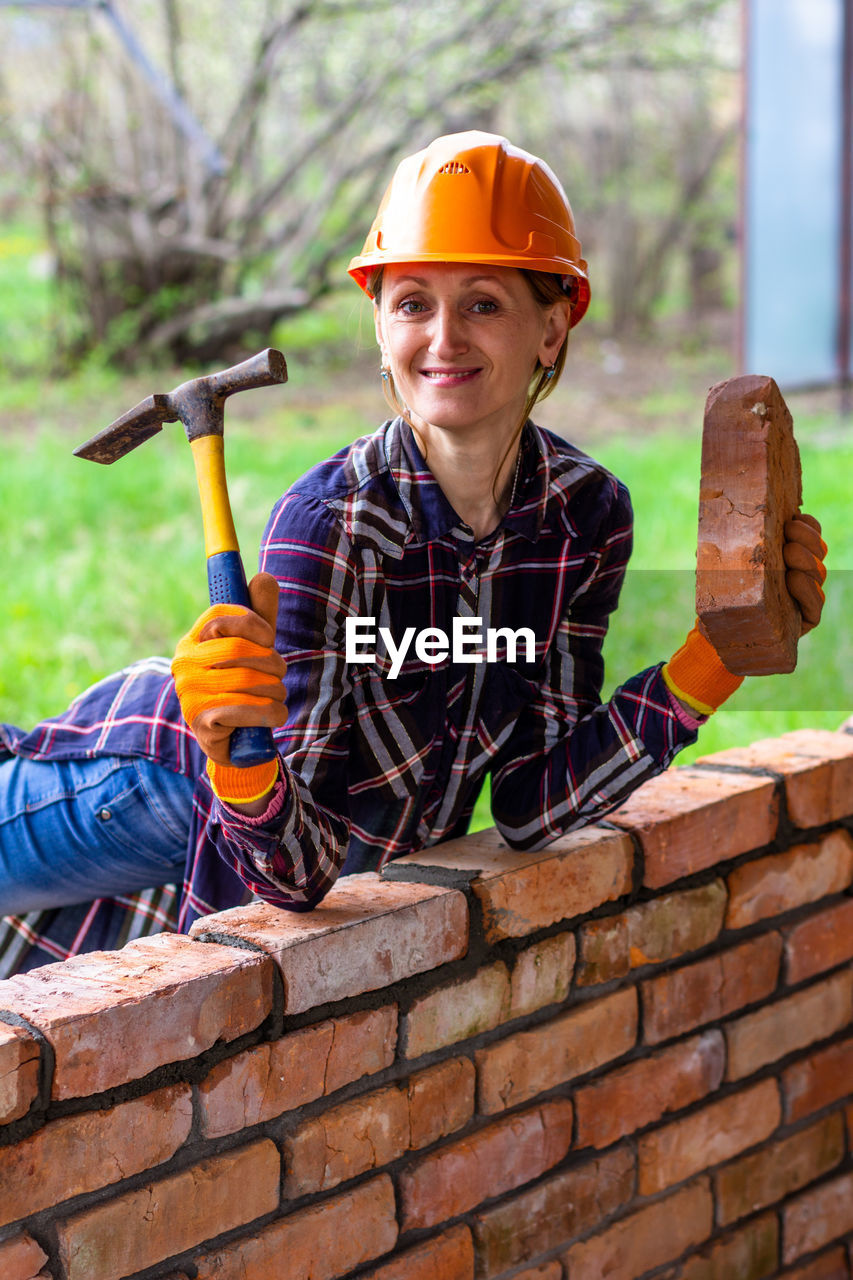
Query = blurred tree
x=309 y=104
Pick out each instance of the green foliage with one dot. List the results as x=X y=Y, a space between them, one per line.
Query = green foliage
x=308 y=107
x=25 y=296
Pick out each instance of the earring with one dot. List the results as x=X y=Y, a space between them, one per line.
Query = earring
x=550 y=371
x=385 y=372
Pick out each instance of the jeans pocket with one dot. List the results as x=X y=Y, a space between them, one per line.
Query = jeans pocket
x=125 y=826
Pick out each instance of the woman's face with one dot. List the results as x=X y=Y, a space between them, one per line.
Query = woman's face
x=462 y=342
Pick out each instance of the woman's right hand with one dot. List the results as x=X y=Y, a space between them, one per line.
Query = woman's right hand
x=228 y=672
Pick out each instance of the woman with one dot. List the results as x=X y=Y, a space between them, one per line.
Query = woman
x=445 y=590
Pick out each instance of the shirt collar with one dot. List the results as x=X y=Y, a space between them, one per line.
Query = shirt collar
x=430 y=514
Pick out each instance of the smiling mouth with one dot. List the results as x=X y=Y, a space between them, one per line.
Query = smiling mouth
x=448 y=375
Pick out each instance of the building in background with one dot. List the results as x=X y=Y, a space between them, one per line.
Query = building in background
x=798 y=172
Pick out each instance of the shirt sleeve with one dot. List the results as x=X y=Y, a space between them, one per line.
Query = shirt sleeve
x=293 y=858
x=571 y=759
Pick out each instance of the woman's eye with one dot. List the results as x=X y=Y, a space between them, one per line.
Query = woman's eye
x=485 y=307
x=411 y=307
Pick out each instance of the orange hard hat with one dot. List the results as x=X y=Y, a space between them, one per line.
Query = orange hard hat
x=474 y=197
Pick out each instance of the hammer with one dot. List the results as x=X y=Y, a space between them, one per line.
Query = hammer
x=199 y=405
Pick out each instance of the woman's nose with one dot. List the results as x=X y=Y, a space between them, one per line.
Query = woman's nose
x=447 y=338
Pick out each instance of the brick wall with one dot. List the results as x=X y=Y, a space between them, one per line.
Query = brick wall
x=628 y=1055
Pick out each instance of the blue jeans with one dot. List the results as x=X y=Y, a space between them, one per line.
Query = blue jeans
x=81 y=829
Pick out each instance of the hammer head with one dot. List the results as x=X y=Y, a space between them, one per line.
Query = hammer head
x=198 y=404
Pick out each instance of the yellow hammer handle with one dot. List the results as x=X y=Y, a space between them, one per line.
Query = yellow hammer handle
x=219 y=531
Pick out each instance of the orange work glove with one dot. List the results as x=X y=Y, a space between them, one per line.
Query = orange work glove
x=804 y=553
x=696 y=675
x=228 y=673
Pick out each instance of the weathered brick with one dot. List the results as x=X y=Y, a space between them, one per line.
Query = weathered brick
x=751 y=483
x=817 y=766
x=718 y=1132
x=710 y=989
x=780 y=1028
x=81 y=1153
x=441 y=1100
x=761 y=1179
x=157 y=1221
x=362 y=1043
x=631 y=1097
x=664 y=928
x=366 y=934
x=517 y=1068
x=545 y=1271
x=347 y=1140
x=817 y=1217
x=113 y=1016
x=487 y=1163
x=778 y=883
x=750 y=1253
x=542 y=975
x=324 y=1241
x=604 y=951
x=647 y=1238
x=818 y=1080
x=689 y=819
x=449 y=1256
x=820 y=942
x=552 y=1213
x=266 y=1081
x=22 y=1259
x=675 y=923
x=523 y=892
x=829 y=1266
x=456 y=1011
x=19 y=1071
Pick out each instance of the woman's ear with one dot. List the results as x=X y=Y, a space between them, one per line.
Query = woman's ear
x=555 y=332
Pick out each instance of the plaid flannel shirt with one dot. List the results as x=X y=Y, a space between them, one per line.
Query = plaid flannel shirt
x=377 y=766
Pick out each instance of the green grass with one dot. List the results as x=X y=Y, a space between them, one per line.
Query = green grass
x=104 y=565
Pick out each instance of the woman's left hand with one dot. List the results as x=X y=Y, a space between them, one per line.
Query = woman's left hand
x=804 y=553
